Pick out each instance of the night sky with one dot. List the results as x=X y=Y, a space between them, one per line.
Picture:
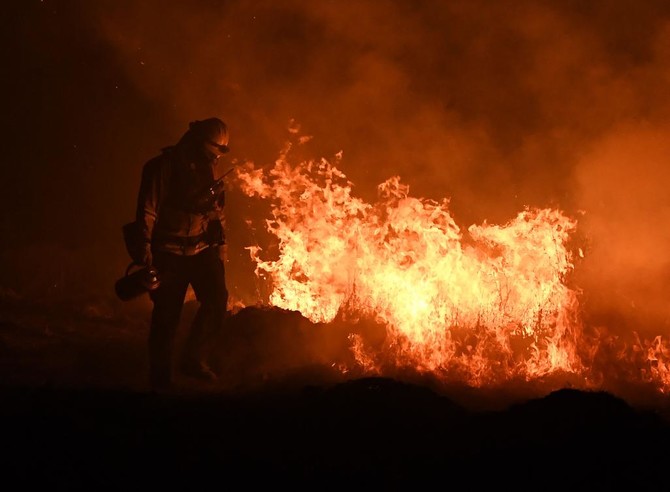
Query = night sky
x=496 y=105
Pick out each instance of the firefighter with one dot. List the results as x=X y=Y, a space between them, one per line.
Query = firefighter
x=181 y=227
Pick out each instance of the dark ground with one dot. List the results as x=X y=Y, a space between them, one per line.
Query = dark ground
x=74 y=412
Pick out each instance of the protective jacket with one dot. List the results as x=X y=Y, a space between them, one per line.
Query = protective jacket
x=169 y=209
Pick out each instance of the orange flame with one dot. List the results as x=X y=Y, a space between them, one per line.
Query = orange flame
x=482 y=306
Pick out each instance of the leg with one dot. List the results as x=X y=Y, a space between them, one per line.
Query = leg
x=168 y=301
x=209 y=285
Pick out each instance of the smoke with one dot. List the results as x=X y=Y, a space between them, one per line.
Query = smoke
x=623 y=187
x=454 y=96
x=497 y=106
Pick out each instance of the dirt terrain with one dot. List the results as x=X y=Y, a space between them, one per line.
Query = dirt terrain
x=76 y=411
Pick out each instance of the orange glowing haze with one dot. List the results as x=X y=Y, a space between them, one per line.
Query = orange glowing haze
x=484 y=305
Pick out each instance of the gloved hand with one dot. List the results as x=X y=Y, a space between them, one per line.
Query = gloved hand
x=147 y=256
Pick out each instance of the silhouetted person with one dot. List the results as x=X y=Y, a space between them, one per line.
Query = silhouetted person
x=180 y=214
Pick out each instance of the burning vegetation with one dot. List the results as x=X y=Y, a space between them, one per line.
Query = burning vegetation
x=482 y=306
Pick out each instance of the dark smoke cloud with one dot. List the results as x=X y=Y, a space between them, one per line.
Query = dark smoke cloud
x=498 y=105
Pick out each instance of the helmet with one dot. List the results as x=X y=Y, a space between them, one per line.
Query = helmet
x=208 y=137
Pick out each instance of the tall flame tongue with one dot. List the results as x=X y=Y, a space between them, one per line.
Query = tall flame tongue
x=486 y=306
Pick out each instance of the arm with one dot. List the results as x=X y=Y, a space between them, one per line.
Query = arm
x=216 y=225
x=148 y=206
x=217 y=219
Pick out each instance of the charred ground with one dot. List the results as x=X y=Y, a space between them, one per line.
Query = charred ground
x=76 y=412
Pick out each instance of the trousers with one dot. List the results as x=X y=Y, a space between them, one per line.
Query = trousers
x=205 y=272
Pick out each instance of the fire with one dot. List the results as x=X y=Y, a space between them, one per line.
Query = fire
x=482 y=305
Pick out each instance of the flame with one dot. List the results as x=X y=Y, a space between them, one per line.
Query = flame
x=482 y=305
